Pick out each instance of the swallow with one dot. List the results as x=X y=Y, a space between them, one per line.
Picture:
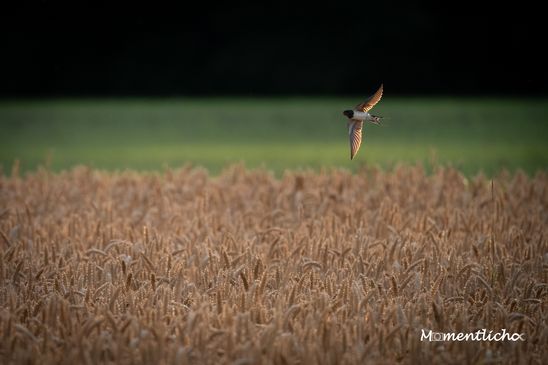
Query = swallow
x=357 y=116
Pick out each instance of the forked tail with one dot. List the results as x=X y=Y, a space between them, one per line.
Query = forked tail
x=375 y=119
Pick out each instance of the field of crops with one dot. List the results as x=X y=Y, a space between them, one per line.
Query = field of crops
x=313 y=267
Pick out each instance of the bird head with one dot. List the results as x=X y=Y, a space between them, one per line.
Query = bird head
x=349 y=113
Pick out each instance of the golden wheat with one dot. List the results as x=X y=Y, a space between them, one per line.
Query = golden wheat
x=322 y=267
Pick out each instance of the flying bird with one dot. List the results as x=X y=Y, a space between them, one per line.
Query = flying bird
x=357 y=116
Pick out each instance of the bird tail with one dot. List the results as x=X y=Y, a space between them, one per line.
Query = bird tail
x=375 y=119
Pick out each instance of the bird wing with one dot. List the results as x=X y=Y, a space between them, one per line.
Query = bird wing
x=355 y=135
x=370 y=103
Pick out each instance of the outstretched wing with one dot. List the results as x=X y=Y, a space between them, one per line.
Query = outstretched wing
x=370 y=103
x=355 y=136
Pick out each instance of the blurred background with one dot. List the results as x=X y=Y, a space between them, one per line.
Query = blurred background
x=119 y=86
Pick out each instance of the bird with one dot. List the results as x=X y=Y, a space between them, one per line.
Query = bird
x=357 y=116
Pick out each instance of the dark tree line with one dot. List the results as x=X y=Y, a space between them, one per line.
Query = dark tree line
x=414 y=48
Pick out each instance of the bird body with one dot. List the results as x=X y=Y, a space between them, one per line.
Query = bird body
x=359 y=115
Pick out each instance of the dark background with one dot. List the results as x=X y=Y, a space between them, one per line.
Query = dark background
x=436 y=48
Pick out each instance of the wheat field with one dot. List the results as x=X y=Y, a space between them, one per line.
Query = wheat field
x=313 y=267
